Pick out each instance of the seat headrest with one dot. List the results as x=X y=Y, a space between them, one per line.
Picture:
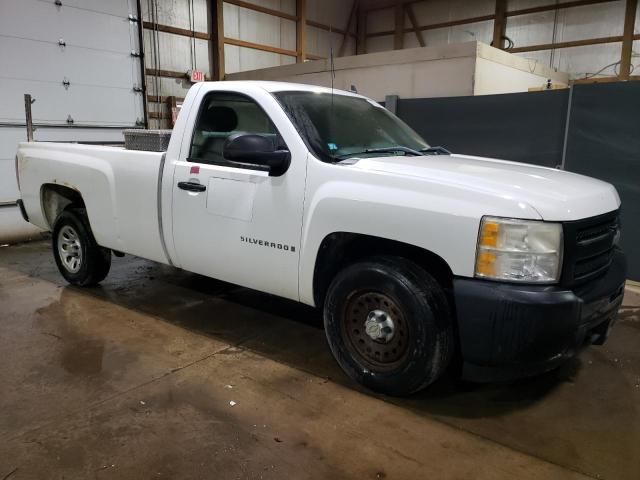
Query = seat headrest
x=219 y=119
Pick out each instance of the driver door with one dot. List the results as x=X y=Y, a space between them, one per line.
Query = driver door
x=238 y=223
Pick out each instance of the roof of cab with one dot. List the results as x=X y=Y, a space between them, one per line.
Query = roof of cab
x=271 y=86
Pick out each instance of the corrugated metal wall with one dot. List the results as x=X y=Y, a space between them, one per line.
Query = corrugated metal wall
x=564 y=25
x=171 y=52
x=244 y=24
x=169 y=56
x=261 y=28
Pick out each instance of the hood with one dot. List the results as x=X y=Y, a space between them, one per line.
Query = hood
x=554 y=194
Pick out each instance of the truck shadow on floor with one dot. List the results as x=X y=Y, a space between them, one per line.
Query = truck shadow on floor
x=286 y=331
x=449 y=397
x=293 y=333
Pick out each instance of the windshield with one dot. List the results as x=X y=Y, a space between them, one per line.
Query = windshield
x=336 y=127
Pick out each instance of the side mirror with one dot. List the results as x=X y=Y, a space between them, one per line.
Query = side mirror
x=253 y=149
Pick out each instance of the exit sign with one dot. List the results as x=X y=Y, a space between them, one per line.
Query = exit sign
x=196 y=76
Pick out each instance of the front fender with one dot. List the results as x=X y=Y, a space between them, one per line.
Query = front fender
x=441 y=219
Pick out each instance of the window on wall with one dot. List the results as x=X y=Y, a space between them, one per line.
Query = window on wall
x=222 y=115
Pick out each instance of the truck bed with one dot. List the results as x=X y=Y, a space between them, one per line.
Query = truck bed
x=119 y=187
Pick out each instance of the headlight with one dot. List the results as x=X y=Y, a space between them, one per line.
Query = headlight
x=519 y=250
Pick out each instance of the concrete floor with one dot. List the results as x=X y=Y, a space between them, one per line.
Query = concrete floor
x=134 y=379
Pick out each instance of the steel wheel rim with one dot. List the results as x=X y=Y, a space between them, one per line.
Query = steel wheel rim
x=70 y=249
x=375 y=330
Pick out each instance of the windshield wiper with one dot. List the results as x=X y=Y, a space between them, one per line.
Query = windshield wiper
x=435 y=151
x=399 y=148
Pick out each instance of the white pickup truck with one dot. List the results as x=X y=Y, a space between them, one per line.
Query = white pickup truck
x=420 y=259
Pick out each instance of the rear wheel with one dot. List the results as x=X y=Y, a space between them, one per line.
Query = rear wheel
x=79 y=258
x=389 y=325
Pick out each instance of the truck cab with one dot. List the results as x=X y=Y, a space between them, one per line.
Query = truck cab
x=417 y=256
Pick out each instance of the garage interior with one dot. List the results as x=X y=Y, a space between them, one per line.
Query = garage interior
x=162 y=373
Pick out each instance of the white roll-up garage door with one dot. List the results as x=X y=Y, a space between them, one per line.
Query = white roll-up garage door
x=79 y=60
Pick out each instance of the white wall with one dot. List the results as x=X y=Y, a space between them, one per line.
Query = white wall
x=178 y=53
x=257 y=27
x=244 y=24
x=432 y=12
x=336 y=14
x=577 y=23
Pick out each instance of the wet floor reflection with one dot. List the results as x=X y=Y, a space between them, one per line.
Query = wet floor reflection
x=81 y=351
x=584 y=415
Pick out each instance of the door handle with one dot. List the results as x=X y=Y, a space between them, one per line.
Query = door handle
x=192 y=186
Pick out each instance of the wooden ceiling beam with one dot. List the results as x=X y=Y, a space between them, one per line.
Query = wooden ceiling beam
x=328 y=28
x=414 y=24
x=259 y=46
x=554 y=6
x=435 y=26
x=352 y=16
x=258 y=8
x=574 y=43
x=175 y=30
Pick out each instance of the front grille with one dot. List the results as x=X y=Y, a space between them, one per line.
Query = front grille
x=588 y=247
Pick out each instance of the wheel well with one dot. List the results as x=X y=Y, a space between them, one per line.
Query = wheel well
x=338 y=250
x=57 y=198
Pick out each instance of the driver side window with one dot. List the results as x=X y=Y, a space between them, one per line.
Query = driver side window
x=223 y=114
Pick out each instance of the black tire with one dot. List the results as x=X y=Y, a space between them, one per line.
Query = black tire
x=93 y=262
x=417 y=325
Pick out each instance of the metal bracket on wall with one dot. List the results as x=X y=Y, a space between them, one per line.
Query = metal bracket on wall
x=62 y=43
x=139 y=122
x=58 y=3
x=70 y=120
x=138 y=89
x=66 y=83
x=135 y=54
x=133 y=18
x=28 y=101
x=391 y=103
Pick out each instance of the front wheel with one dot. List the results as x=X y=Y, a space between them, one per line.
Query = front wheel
x=389 y=325
x=79 y=258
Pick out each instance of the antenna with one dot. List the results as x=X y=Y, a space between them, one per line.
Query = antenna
x=332 y=67
x=332 y=71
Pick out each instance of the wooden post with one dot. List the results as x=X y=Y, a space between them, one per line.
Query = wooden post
x=627 y=39
x=361 y=28
x=216 y=54
x=301 y=31
x=345 y=38
x=172 y=107
x=398 y=36
x=500 y=24
x=414 y=24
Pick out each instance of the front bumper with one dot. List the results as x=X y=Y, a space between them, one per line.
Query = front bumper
x=509 y=330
